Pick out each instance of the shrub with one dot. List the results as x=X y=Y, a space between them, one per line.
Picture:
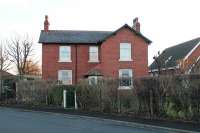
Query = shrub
x=33 y=91
x=171 y=110
x=105 y=97
x=175 y=97
x=172 y=97
x=55 y=95
x=87 y=96
x=181 y=114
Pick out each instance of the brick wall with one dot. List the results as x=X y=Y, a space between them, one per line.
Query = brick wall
x=51 y=64
x=195 y=54
x=109 y=57
x=110 y=51
x=192 y=58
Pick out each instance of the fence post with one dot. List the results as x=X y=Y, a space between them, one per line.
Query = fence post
x=46 y=98
x=100 y=99
x=75 y=101
x=151 y=103
x=64 y=99
x=118 y=102
x=16 y=92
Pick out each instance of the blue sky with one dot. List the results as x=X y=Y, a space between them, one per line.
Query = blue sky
x=166 y=23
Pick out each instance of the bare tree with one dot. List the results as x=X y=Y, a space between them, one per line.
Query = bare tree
x=5 y=64
x=158 y=62
x=20 y=49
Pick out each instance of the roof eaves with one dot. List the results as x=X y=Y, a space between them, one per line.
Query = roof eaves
x=138 y=33
x=168 y=68
x=70 y=43
x=41 y=40
x=196 y=46
x=127 y=26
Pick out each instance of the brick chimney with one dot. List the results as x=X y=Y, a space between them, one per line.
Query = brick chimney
x=46 y=24
x=136 y=24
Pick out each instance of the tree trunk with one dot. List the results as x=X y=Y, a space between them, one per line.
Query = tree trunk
x=1 y=84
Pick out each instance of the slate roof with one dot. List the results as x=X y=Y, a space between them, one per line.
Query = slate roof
x=69 y=36
x=171 y=55
x=73 y=37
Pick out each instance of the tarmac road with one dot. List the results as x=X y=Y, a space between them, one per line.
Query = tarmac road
x=18 y=121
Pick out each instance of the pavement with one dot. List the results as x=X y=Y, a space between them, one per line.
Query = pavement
x=22 y=121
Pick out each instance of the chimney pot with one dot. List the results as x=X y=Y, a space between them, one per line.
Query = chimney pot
x=46 y=24
x=136 y=24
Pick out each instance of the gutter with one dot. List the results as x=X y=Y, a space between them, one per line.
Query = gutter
x=163 y=69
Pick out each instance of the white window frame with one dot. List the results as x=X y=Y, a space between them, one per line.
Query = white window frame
x=127 y=48
x=67 y=58
x=91 y=52
x=131 y=77
x=60 y=78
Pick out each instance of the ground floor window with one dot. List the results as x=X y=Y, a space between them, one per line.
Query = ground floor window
x=94 y=80
x=125 y=78
x=65 y=76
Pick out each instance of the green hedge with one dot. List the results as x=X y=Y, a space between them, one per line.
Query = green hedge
x=171 y=97
x=55 y=96
x=174 y=97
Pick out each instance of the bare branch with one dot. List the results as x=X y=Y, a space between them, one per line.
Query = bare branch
x=20 y=49
x=4 y=59
x=4 y=65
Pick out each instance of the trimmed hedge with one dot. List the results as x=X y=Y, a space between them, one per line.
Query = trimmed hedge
x=168 y=97
x=55 y=96
x=175 y=97
x=171 y=97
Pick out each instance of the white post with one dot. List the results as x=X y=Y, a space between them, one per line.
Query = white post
x=76 y=106
x=65 y=99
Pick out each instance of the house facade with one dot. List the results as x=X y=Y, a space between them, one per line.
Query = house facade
x=70 y=55
x=183 y=58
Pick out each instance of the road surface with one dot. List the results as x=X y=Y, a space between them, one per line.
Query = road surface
x=18 y=121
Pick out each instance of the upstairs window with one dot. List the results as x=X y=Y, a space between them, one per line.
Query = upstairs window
x=93 y=54
x=125 y=77
x=65 y=76
x=125 y=52
x=65 y=54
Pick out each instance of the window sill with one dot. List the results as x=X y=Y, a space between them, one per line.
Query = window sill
x=123 y=60
x=65 y=83
x=90 y=61
x=125 y=87
x=64 y=61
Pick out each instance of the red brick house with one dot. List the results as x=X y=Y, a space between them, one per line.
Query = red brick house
x=69 y=55
x=181 y=58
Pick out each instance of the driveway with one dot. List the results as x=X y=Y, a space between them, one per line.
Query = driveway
x=17 y=121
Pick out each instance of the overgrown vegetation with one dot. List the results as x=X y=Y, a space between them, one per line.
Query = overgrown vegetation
x=168 y=97
x=39 y=92
x=173 y=97
x=55 y=95
x=176 y=97
x=33 y=91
